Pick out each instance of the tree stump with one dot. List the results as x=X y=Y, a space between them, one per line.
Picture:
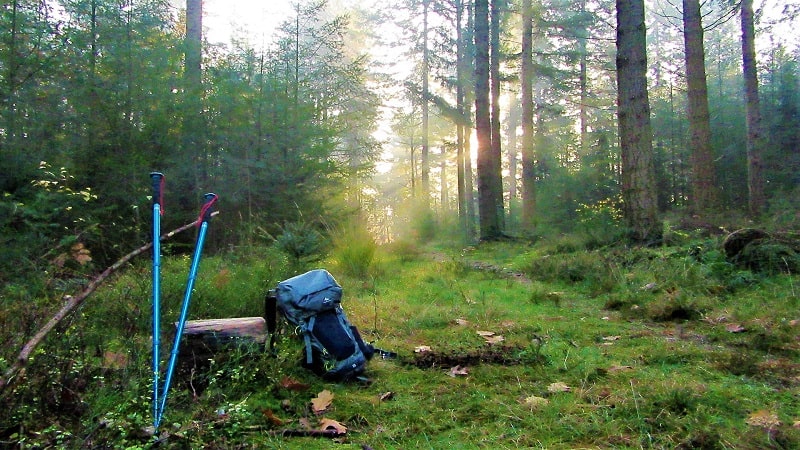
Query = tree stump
x=760 y=251
x=203 y=340
x=735 y=242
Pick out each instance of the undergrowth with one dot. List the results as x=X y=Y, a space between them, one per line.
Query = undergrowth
x=504 y=345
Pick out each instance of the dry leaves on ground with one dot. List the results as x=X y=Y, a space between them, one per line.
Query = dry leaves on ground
x=763 y=418
x=458 y=371
x=332 y=425
x=535 y=402
x=558 y=386
x=491 y=337
x=322 y=401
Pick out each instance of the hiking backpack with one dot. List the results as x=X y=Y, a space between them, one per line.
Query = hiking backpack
x=312 y=303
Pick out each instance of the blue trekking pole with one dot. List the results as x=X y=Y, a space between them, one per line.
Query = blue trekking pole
x=158 y=191
x=205 y=217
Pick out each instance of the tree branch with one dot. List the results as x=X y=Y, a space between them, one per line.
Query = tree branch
x=72 y=303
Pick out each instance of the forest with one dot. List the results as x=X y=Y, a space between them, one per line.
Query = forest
x=379 y=126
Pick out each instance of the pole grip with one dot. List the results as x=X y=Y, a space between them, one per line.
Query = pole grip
x=158 y=187
x=205 y=211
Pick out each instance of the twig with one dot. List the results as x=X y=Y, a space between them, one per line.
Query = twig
x=72 y=303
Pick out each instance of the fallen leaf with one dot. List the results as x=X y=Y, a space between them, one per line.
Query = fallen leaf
x=272 y=418
x=332 y=425
x=386 y=396
x=486 y=333
x=611 y=338
x=649 y=286
x=558 y=387
x=494 y=339
x=534 y=401
x=115 y=360
x=293 y=385
x=763 y=418
x=81 y=254
x=796 y=424
x=322 y=401
x=422 y=349
x=458 y=370
x=734 y=328
x=462 y=322
x=222 y=278
x=794 y=322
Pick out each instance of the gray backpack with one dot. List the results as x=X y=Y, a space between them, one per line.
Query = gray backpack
x=312 y=303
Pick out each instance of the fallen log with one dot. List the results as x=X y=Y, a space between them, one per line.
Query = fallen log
x=71 y=303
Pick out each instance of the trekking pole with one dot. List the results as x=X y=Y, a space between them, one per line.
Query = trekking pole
x=158 y=190
x=205 y=217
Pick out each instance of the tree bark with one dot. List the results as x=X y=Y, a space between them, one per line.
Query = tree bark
x=702 y=159
x=489 y=209
x=583 y=81
x=494 y=86
x=754 y=142
x=193 y=80
x=528 y=154
x=462 y=125
x=425 y=157
x=635 y=132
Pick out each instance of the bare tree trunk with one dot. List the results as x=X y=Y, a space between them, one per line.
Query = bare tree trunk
x=192 y=120
x=489 y=210
x=754 y=144
x=703 y=178
x=584 y=116
x=469 y=185
x=425 y=158
x=528 y=154
x=443 y=169
x=635 y=132
x=511 y=151
x=461 y=126
x=494 y=79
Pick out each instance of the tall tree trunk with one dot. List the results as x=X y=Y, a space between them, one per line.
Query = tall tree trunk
x=443 y=174
x=489 y=224
x=703 y=177
x=584 y=115
x=469 y=96
x=754 y=144
x=635 y=132
x=494 y=79
x=425 y=159
x=192 y=121
x=528 y=155
x=462 y=126
x=511 y=151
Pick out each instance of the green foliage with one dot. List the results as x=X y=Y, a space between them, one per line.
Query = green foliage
x=587 y=357
x=301 y=242
x=354 y=249
x=601 y=222
x=45 y=232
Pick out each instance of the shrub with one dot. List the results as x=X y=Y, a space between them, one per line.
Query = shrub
x=301 y=242
x=354 y=249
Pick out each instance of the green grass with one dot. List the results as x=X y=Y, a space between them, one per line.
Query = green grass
x=659 y=348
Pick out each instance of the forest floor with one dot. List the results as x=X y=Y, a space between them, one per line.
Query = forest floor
x=504 y=345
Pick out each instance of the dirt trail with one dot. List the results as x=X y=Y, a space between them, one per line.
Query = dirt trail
x=485 y=267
